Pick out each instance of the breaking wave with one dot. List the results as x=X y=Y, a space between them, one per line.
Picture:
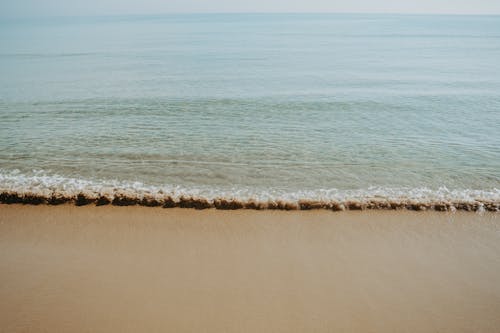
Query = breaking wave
x=40 y=188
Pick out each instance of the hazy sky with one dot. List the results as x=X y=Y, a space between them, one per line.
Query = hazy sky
x=15 y=8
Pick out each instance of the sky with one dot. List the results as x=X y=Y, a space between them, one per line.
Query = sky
x=34 y=8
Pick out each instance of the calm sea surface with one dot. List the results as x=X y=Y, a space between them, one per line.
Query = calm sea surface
x=269 y=105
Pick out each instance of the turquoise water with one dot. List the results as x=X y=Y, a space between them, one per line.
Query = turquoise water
x=253 y=106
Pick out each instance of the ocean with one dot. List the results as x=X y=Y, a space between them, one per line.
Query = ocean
x=290 y=111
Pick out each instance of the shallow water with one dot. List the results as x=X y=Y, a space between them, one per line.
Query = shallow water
x=267 y=106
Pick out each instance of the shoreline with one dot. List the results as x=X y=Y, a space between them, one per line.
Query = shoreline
x=201 y=203
x=69 y=268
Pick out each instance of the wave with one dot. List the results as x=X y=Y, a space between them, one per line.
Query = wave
x=40 y=188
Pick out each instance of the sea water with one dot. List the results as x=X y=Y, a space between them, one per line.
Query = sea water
x=330 y=108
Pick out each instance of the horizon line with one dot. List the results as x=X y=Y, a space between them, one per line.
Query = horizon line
x=248 y=13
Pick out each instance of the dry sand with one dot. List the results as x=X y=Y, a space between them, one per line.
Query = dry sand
x=137 y=269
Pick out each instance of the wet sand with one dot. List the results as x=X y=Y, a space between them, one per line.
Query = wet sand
x=103 y=269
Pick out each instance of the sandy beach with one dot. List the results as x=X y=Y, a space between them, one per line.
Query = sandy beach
x=107 y=268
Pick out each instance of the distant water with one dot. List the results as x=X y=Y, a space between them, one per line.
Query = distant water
x=259 y=108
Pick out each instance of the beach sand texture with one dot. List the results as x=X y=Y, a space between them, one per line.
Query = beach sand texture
x=102 y=269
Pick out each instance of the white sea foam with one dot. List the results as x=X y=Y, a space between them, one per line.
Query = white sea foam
x=40 y=187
